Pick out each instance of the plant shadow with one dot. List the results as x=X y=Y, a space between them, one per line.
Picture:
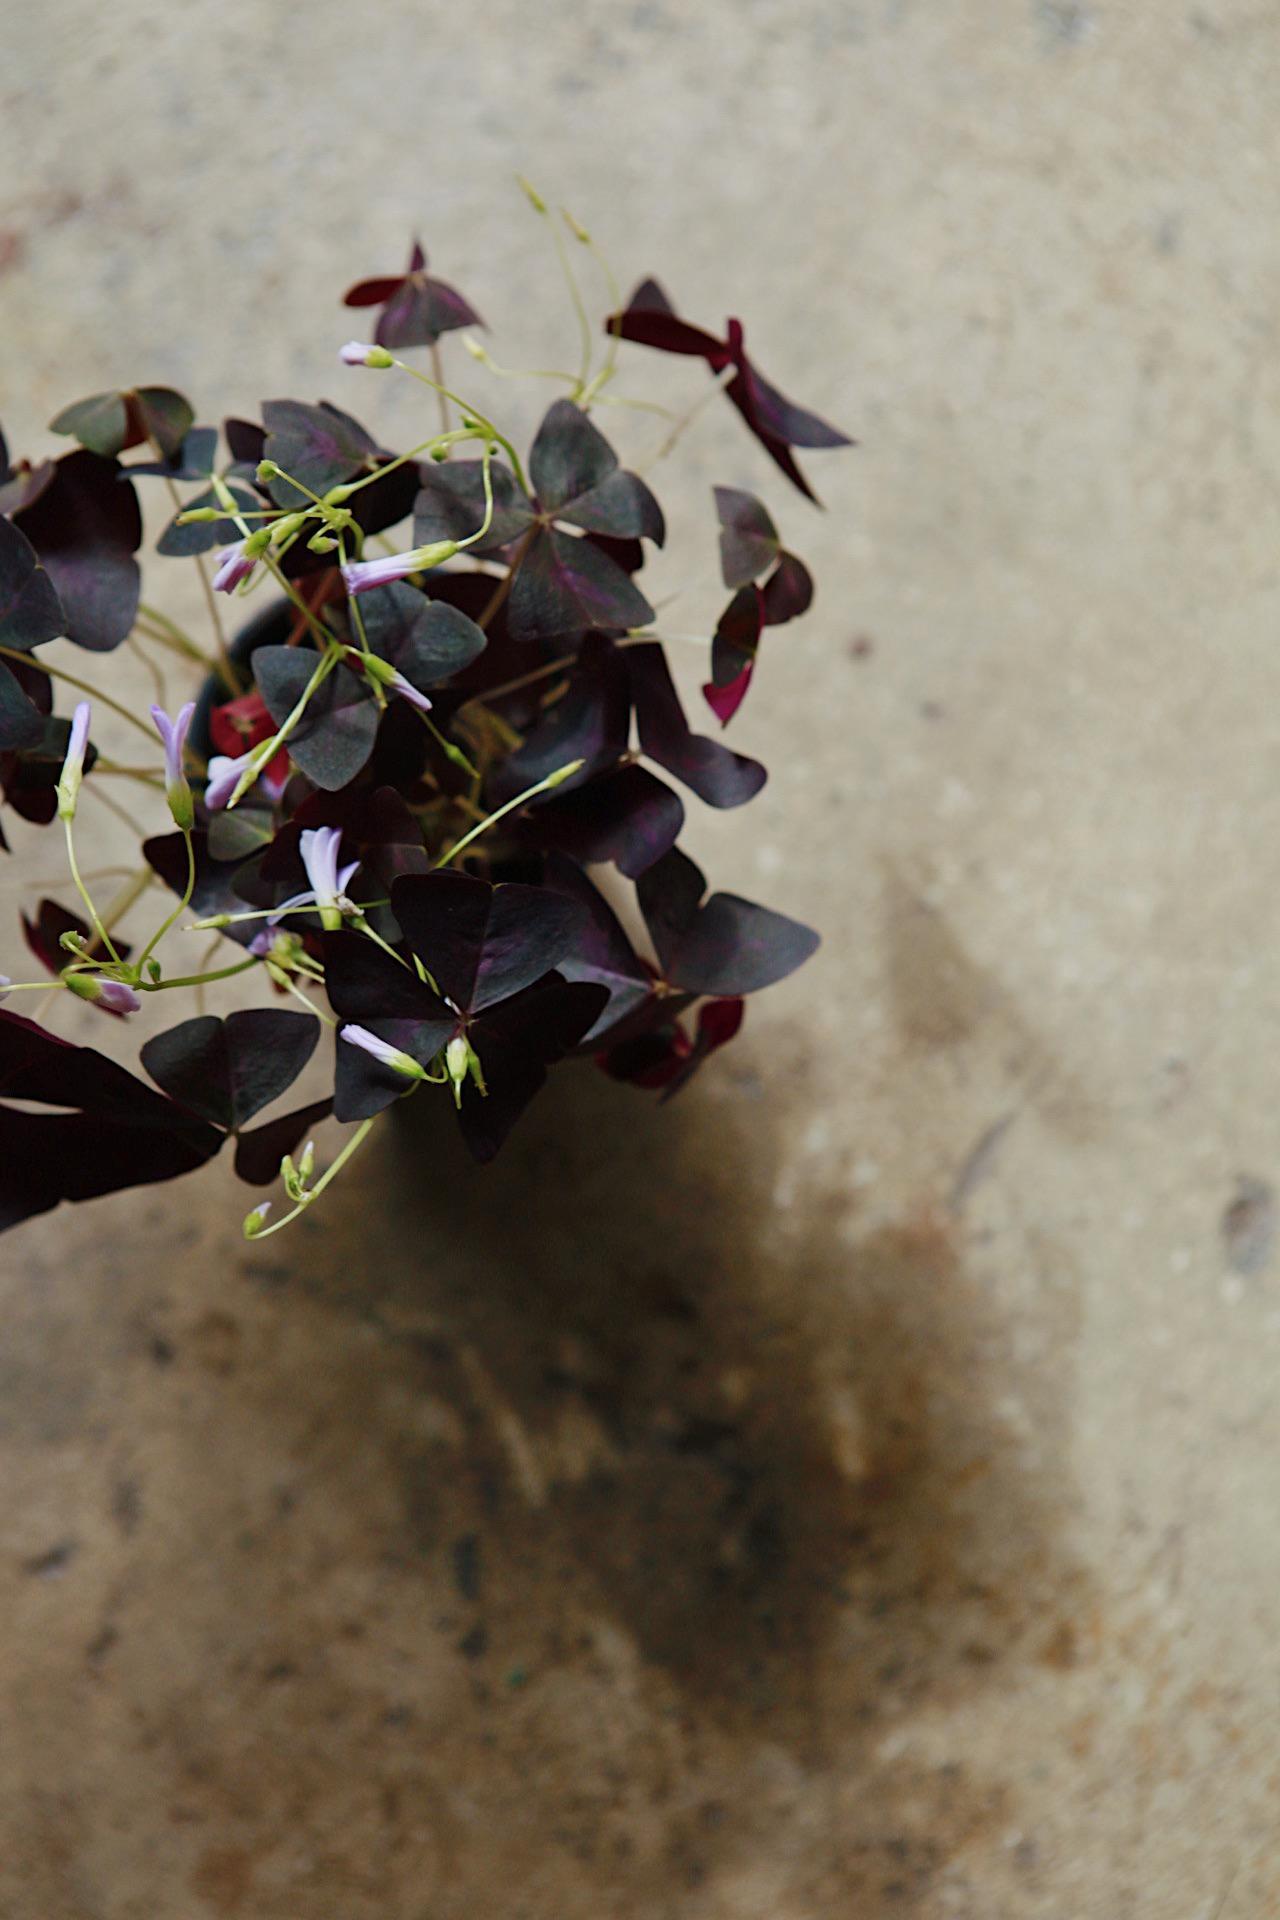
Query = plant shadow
x=739 y=1472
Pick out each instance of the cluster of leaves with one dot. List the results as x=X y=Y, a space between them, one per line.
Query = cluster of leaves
x=481 y=921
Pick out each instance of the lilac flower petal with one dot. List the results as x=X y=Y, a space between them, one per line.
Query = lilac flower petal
x=319 y=849
x=234 y=565
x=361 y=576
x=173 y=733
x=276 y=915
x=382 y=1050
x=79 y=736
x=224 y=778
x=116 y=996
x=407 y=691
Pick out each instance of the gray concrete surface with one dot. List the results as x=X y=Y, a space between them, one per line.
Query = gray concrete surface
x=854 y=1493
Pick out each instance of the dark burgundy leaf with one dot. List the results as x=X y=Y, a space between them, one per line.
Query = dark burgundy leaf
x=44 y=935
x=107 y=423
x=86 y=528
x=566 y=585
x=417 y=307
x=648 y=1060
x=390 y=837
x=30 y=611
x=516 y=1042
x=194 y=460
x=650 y=320
x=628 y=554
x=365 y=984
x=737 y=635
x=23 y=485
x=621 y=508
x=602 y=953
x=451 y=505
x=100 y=423
x=627 y=816
x=481 y=944
x=724 y=701
x=576 y=476
x=31 y=777
x=589 y=720
x=772 y=416
x=319 y=446
x=118 y=1134
x=569 y=457
x=228 y=1070
x=166 y=418
x=777 y=423
x=335 y=737
x=748 y=538
x=788 y=592
x=21 y=721
x=240 y=834
x=368 y=988
x=425 y=640
x=203 y=535
x=247 y=441
x=719 y=1021
x=260 y=1151
x=726 y=946
x=215 y=890
x=715 y=774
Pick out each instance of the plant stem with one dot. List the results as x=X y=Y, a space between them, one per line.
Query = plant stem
x=72 y=680
x=181 y=907
x=197 y=979
x=358 y=1137
x=86 y=896
x=437 y=369
x=531 y=793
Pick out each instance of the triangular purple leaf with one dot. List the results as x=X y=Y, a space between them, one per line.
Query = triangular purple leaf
x=717 y=775
x=86 y=528
x=228 y=1070
x=30 y=611
x=335 y=736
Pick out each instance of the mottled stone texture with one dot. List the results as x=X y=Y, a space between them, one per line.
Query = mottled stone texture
x=850 y=1494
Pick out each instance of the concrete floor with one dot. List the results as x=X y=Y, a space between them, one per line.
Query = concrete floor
x=852 y=1493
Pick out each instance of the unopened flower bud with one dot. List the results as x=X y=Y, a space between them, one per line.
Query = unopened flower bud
x=383 y=1051
x=257 y=542
x=267 y=472
x=359 y=353
x=359 y=576
x=256 y=1220
x=114 y=995
x=195 y=516
x=177 y=792
x=73 y=766
x=285 y=527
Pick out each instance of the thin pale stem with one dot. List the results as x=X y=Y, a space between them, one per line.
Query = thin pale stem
x=99 y=929
x=73 y=680
x=357 y=1139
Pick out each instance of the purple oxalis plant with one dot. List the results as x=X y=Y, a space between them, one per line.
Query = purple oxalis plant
x=414 y=784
